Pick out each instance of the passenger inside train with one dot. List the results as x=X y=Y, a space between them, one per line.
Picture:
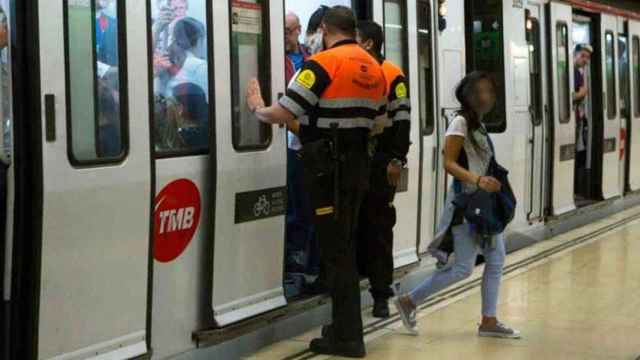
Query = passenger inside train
x=581 y=61
x=301 y=248
x=180 y=77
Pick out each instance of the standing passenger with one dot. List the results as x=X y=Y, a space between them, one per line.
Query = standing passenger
x=468 y=153
x=582 y=57
x=299 y=233
x=342 y=91
x=389 y=150
x=313 y=39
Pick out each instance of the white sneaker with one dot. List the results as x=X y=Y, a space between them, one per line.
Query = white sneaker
x=499 y=330
x=407 y=312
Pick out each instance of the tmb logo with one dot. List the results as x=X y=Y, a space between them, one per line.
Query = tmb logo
x=176 y=219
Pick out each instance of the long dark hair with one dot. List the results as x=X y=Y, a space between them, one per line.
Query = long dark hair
x=465 y=93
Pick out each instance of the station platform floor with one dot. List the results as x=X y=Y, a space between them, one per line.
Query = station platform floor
x=580 y=303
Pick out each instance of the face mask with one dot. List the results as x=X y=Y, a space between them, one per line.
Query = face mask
x=315 y=43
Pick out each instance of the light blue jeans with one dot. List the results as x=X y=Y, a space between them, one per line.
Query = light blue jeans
x=466 y=251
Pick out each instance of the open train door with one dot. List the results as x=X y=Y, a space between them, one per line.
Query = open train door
x=427 y=111
x=563 y=124
x=250 y=160
x=536 y=154
x=398 y=16
x=634 y=130
x=92 y=272
x=611 y=161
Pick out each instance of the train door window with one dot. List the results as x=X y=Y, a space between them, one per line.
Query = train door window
x=95 y=68
x=6 y=116
x=533 y=40
x=623 y=63
x=486 y=51
x=635 y=68
x=395 y=29
x=562 y=62
x=610 y=73
x=425 y=64
x=250 y=58
x=181 y=77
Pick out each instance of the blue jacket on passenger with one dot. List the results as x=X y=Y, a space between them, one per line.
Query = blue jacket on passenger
x=107 y=40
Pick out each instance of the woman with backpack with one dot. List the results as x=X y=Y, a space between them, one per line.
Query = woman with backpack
x=468 y=157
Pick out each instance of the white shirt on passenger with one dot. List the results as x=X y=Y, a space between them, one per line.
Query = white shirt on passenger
x=293 y=142
x=194 y=70
x=479 y=155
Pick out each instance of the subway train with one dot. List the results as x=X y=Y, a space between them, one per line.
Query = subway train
x=144 y=206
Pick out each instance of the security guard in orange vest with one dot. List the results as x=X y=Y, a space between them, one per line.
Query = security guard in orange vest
x=390 y=144
x=337 y=96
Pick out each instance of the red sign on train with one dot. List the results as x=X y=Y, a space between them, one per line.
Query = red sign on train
x=176 y=218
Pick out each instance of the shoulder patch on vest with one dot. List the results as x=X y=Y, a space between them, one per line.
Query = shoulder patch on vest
x=401 y=90
x=307 y=79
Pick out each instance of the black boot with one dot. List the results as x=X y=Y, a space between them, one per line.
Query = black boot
x=327 y=346
x=381 y=308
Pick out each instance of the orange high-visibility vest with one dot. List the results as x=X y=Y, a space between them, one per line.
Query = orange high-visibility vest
x=343 y=85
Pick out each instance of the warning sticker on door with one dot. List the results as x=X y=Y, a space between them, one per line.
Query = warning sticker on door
x=246 y=17
x=176 y=219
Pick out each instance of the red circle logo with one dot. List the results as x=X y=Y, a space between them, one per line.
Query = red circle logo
x=176 y=219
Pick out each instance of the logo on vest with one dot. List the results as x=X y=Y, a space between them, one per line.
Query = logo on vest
x=307 y=79
x=401 y=90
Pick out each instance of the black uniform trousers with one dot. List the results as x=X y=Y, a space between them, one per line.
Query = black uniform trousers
x=375 y=234
x=337 y=235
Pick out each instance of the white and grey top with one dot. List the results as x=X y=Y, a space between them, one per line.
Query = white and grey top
x=479 y=156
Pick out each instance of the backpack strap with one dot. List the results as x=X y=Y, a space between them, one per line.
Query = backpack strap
x=464 y=162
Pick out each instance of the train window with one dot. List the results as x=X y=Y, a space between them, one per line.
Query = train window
x=535 y=72
x=96 y=97
x=609 y=53
x=623 y=65
x=181 y=122
x=635 y=68
x=249 y=59
x=564 y=88
x=395 y=29
x=485 y=44
x=6 y=115
x=425 y=64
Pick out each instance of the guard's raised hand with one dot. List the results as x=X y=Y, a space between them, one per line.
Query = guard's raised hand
x=254 y=95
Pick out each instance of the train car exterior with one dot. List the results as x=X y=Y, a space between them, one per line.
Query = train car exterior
x=145 y=207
